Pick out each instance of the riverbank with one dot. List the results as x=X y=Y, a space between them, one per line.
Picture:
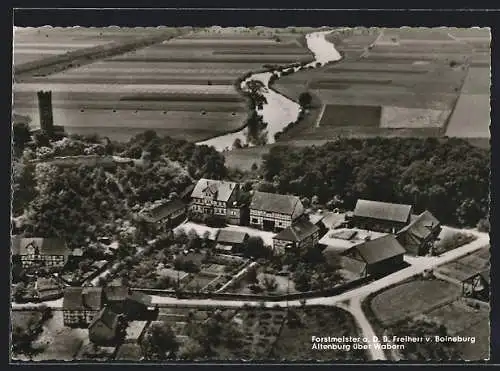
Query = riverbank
x=278 y=111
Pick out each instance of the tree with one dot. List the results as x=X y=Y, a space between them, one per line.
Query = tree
x=159 y=341
x=305 y=99
x=269 y=283
x=237 y=143
x=191 y=350
x=21 y=134
x=19 y=291
x=42 y=138
x=255 y=247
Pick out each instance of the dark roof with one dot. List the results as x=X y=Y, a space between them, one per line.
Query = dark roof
x=187 y=192
x=45 y=246
x=139 y=297
x=227 y=236
x=276 y=203
x=106 y=317
x=116 y=293
x=382 y=211
x=422 y=226
x=298 y=231
x=82 y=298
x=129 y=352
x=382 y=248
x=221 y=189
x=163 y=211
x=333 y=220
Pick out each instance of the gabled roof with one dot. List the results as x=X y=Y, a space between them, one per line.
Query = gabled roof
x=382 y=248
x=486 y=275
x=223 y=190
x=45 y=284
x=116 y=293
x=108 y=318
x=228 y=236
x=382 y=211
x=333 y=220
x=422 y=226
x=276 y=203
x=82 y=298
x=298 y=231
x=45 y=246
x=163 y=211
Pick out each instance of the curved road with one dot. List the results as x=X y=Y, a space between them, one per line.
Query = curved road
x=418 y=265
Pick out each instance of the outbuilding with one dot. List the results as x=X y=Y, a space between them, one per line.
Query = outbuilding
x=381 y=216
x=374 y=257
x=419 y=236
x=230 y=241
x=301 y=235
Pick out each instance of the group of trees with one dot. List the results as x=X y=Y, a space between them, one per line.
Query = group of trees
x=446 y=176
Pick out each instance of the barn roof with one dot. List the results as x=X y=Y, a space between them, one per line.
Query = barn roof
x=45 y=246
x=382 y=211
x=333 y=220
x=422 y=226
x=228 y=236
x=166 y=209
x=108 y=318
x=223 y=190
x=382 y=248
x=277 y=203
x=298 y=231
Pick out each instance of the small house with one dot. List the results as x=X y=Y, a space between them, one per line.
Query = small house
x=230 y=241
x=380 y=216
x=477 y=286
x=301 y=235
x=44 y=252
x=271 y=211
x=81 y=305
x=104 y=328
x=48 y=289
x=374 y=257
x=419 y=236
x=169 y=212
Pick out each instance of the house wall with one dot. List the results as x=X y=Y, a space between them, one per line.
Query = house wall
x=377 y=225
x=280 y=221
x=385 y=266
x=45 y=260
x=233 y=215
x=78 y=317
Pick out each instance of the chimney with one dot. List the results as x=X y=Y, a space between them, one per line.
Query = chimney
x=45 y=111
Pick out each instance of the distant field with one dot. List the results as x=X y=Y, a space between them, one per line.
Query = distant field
x=344 y=115
x=183 y=87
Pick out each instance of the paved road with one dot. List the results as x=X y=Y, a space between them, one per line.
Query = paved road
x=354 y=307
x=419 y=264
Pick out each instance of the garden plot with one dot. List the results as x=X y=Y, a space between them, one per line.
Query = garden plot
x=466 y=266
x=401 y=117
x=412 y=298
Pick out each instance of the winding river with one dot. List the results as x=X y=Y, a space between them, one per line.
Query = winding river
x=279 y=111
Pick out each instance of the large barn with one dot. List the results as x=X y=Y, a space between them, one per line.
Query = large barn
x=419 y=236
x=381 y=216
x=374 y=257
x=271 y=211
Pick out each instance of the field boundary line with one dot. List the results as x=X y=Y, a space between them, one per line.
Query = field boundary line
x=320 y=116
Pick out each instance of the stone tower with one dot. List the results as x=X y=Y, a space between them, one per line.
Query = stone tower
x=45 y=110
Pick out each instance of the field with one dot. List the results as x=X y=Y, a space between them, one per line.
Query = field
x=467 y=266
x=415 y=76
x=412 y=298
x=182 y=87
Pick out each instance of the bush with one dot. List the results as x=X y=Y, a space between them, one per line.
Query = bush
x=483 y=225
x=452 y=241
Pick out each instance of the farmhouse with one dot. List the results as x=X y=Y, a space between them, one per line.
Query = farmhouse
x=342 y=239
x=81 y=305
x=478 y=285
x=230 y=241
x=374 y=257
x=419 y=236
x=270 y=211
x=104 y=328
x=219 y=198
x=169 y=212
x=301 y=235
x=46 y=252
x=381 y=216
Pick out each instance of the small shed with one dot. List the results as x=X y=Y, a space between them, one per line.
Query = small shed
x=419 y=236
x=104 y=328
x=478 y=285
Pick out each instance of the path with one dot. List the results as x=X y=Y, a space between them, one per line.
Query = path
x=419 y=265
x=354 y=307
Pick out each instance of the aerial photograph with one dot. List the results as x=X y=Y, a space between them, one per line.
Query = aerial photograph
x=250 y=194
